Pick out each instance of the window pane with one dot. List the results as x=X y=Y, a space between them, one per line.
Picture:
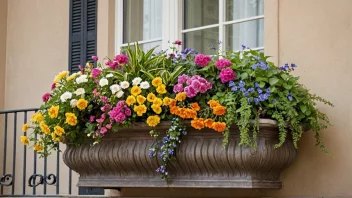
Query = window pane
x=147 y=46
x=199 y=13
x=250 y=34
x=239 y=9
x=142 y=20
x=202 y=40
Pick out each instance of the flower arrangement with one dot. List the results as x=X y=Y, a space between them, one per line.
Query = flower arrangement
x=216 y=92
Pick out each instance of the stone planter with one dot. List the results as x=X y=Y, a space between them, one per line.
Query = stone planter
x=122 y=160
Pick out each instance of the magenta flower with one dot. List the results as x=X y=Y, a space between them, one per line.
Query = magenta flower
x=81 y=69
x=178 y=88
x=53 y=86
x=46 y=97
x=190 y=92
x=108 y=126
x=121 y=59
x=103 y=130
x=128 y=112
x=104 y=99
x=91 y=118
x=95 y=58
x=222 y=63
x=95 y=92
x=101 y=119
x=121 y=104
x=178 y=42
x=227 y=75
x=106 y=107
x=202 y=60
x=182 y=79
x=96 y=72
x=120 y=117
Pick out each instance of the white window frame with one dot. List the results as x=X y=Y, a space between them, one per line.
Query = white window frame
x=172 y=26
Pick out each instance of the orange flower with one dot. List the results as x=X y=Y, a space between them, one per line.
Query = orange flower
x=213 y=103
x=219 y=110
x=173 y=109
x=197 y=123
x=208 y=122
x=195 y=106
x=219 y=126
x=181 y=96
x=172 y=103
x=191 y=113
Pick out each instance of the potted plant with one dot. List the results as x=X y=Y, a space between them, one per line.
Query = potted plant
x=232 y=120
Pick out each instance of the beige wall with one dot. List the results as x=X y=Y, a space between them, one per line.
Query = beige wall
x=3 y=24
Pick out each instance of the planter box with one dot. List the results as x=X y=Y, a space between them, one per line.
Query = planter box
x=122 y=160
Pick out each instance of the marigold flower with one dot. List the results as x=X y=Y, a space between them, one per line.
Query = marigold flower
x=197 y=123
x=55 y=137
x=208 y=122
x=213 y=103
x=161 y=89
x=157 y=101
x=59 y=131
x=153 y=120
x=37 y=117
x=24 y=140
x=141 y=99
x=130 y=100
x=140 y=109
x=53 y=111
x=60 y=76
x=72 y=76
x=219 y=126
x=219 y=110
x=195 y=106
x=173 y=109
x=44 y=127
x=136 y=90
x=71 y=119
x=156 y=108
x=166 y=101
x=157 y=82
x=25 y=127
x=172 y=103
x=82 y=104
x=38 y=147
x=181 y=96
x=150 y=97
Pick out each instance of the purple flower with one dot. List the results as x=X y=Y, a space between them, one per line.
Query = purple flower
x=256 y=100
x=251 y=90
x=263 y=65
x=243 y=47
x=241 y=84
x=259 y=91
x=95 y=58
x=227 y=75
x=121 y=59
x=231 y=84
x=195 y=84
x=221 y=63
x=256 y=84
x=128 y=112
x=243 y=90
x=255 y=66
x=178 y=88
x=96 y=72
x=46 y=97
x=190 y=92
x=289 y=97
x=183 y=79
x=202 y=60
x=234 y=88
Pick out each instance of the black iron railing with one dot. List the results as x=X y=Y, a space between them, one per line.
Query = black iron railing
x=16 y=178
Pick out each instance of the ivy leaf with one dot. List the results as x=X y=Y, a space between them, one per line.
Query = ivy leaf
x=284 y=76
x=287 y=86
x=273 y=81
x=303 y=108
x=244 y=76
x=261 y=84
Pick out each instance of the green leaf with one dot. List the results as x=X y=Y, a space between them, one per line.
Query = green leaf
x=272 y=89
x=303 y=108
x=287 y=86
x=261 y=84
x=284 y=76
x=244 y=76
x=262 y=79
x=273 y=81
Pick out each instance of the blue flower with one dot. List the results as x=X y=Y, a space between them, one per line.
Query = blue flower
x=219 y=42
x=268 y=90
x=255 y=66
x=241 y=84
x=256 y=100
x=256 y=84
x=251 y=90
x=243 y=90
x=263 y=65
x=151 y=154
x=213 y=47
x=245 y=93
x=171 y=152
x=293 y=66
x=231 y=84
x=184 y=132
x=234 y=88
x=266 y=96
x=243 y=47
x=262 y=97
x=289 y=97
x=260 y=90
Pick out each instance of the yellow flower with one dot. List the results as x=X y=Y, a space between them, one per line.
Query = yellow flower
x=136 y=90
x=181 y=96
x=59 y=131
x=71 y=119
x=53 y=111
x=141 y=99
x=24 y=140
x=157 y=82
x=38 y=147
x=37 y=117
x=166 y=101
x=72 y=76
x=25 y=127
x=82 y=104
x=161 y=89
x=60 y=76
x=156 y=108
x=44 y=127
x=54 y=137
x=157 y=101
x=150 y=97
x=153 y=120
x=140 y=109
x=130 y=100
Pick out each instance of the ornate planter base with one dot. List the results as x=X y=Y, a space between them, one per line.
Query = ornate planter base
x=122 y=160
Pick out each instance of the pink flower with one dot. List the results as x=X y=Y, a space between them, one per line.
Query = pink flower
x=91 y=118
x=178 y=88
x=108 y=126
x=195 y=84
x=101 y=119
x=96 y=72
x=221 y=63
x=203 y=88
x=120 y=117
x=81 y=69
x=46 y=97
x=112 y=64
x=121 y=59
x=182 y=79
x=103 y=130
x=227 y=75
x=106 y=107
x=121 y=104
x=128 y=112
x=172 y=55
x=104 y=99
x=95 y=92
x=190 y=92
x=53 y=86
x=178 y=42
x=202 y=60
x=95 y=58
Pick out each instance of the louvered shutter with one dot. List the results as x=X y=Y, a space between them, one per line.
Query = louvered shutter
x=83 y=33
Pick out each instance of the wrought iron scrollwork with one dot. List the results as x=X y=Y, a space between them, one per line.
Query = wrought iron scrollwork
x=49 y=179
x=6 y=180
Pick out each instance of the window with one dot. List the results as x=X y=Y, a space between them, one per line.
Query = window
x=200 y=24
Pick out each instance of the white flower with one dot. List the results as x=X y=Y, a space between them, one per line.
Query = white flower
x=124 y=84
x=80 y=91
x=119 y=94
x=103 y=82
x=109 y=75
x=136 y=81
x=73 y=103
x=65 y=96
x=115 y=88
x=145 y=85
x=81 y=79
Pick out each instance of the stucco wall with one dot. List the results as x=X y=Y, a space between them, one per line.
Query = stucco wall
x=3 y=24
